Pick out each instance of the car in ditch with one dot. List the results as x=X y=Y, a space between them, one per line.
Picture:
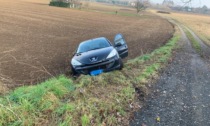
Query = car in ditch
x=99 y=55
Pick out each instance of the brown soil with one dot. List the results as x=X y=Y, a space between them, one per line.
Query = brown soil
x=37 y=40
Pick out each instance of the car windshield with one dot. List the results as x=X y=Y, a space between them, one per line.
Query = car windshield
x=93 y=45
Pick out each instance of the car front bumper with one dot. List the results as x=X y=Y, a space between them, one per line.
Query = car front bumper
x=107 y=65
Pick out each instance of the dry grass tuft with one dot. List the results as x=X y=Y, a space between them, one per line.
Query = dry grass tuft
x=3 y=88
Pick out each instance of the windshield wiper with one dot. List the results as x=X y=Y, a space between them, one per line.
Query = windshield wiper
x=94 y=49
x=88 y=50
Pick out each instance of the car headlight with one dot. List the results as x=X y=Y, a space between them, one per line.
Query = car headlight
x=112 y=54
x=75 y=62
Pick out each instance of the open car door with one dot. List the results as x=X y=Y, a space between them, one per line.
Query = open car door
x=121 y=45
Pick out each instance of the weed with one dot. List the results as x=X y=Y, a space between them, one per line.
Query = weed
x=65 y=108
x=85 y=120
x=145 y=57
x=111 y=120
x=67 y=121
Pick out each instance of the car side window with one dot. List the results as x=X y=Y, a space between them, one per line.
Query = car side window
x=119 y=39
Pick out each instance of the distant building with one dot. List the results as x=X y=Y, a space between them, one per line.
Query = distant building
x=133 y=2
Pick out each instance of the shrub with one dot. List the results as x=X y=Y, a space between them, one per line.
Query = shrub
x=59 y=4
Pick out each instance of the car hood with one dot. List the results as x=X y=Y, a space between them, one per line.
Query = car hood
x=99 y=54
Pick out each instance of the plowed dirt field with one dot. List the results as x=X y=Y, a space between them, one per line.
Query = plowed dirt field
x=37 y=41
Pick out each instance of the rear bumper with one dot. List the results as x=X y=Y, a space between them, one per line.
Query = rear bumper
x=108 y=65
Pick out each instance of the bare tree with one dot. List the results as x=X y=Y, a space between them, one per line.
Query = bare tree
x=204 y=9
x=140 y=6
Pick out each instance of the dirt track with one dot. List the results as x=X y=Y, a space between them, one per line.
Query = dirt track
x=37 y=41
x=182 y=95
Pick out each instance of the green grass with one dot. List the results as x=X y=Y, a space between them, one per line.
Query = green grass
x=25 y=105
x=127 y=14
x=195 y=44
x=100 y=100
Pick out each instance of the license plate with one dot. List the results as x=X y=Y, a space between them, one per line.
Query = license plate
x=96 y=72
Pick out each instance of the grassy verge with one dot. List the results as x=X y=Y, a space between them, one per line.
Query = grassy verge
x=195 y=44
x=106 y=99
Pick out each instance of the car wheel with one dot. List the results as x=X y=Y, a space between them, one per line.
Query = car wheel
x=121 y=65
x=73 y=72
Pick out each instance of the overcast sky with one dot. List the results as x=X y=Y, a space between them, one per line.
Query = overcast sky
x=195 y=3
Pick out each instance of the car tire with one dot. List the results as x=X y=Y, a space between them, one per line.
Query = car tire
x=121 y=64
x=73 y=72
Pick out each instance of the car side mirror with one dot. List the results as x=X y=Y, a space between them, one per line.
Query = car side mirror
x=118 y=44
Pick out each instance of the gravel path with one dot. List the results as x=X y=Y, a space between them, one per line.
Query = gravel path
x=181 y=96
